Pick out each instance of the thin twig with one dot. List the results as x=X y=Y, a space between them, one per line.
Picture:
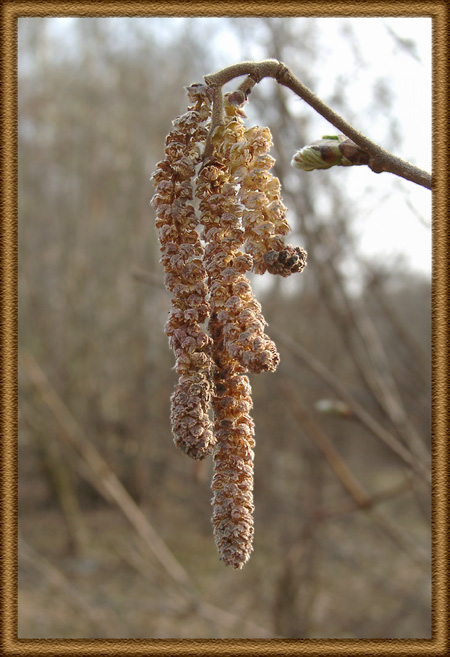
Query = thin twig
x=105 y=477
x=211 y=613
x=347 y=479
x=380 y=159
x=377 y=372
x=363 y=416
x=60 y=479
x=107 y=483
x=333 y=458
x=98 y=618
x=418 y=359
x=375 y=499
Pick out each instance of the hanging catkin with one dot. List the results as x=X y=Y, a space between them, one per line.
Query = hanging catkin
x=182 y=254
x=216 y=327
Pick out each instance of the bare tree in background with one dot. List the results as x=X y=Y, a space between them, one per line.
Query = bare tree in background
x=342 y=546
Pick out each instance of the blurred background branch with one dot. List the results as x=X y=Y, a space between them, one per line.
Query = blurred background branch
x=112 y=517
x=110 y=487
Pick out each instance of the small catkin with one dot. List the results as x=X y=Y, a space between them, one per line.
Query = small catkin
x=264 y=217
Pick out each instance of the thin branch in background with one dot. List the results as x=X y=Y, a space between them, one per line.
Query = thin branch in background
x=388 y=393
x=418 y=214
x=336 y=297
x=404 y=486
x=363 y=416
x=60 y=479
x=106 y=479
x=209 y=612
x=334 y=460
x=418 y=359
x=377 y=371
x=330 y=281
x=109 y=486
x=408 y=46
x=361 y=498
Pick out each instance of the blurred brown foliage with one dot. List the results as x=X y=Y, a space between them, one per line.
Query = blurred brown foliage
x=114 y=521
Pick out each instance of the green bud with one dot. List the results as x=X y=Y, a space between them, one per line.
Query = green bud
x=330 y=151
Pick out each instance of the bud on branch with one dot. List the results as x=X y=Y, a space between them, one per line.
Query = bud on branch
x=330 y=151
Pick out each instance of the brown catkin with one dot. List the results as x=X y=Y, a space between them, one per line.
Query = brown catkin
x=239 y=343
x=232 y=483
x=233 y=456
x=182 y=255
x=231 y=295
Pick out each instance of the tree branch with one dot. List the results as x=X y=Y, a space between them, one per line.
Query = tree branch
x=379 y=159
x=367 y=420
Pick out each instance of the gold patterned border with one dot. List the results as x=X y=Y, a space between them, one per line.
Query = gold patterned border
x=439 y=644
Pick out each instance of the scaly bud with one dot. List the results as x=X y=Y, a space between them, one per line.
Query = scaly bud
x=330 y=151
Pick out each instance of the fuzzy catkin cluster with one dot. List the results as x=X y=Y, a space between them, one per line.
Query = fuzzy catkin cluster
x=216 y=221
x=182 y=254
